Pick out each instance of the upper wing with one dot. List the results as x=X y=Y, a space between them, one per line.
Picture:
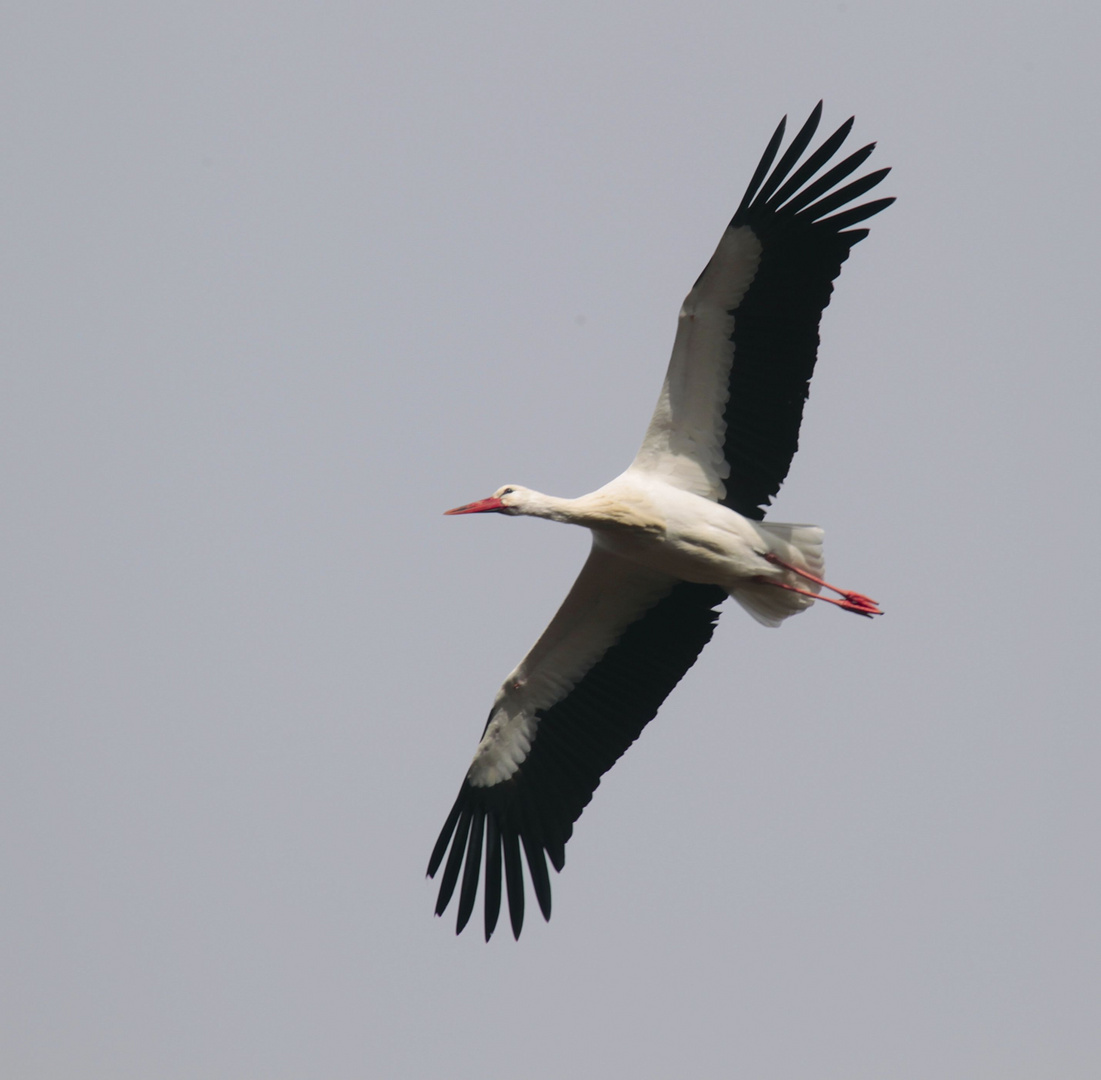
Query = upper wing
x=727 y=422
x=621 y=641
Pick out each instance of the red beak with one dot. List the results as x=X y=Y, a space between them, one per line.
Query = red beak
x=482 y=506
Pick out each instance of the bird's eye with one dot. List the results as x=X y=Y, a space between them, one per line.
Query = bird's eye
x=508 y=491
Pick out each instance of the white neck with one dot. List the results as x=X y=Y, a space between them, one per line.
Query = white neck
x=597 y=510
x=570 y=511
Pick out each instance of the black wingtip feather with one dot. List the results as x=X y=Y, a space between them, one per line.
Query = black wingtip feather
x=799 y=201
x=471 y=870
x=828 y=203
x=493 y=875
x=556 y=852
x=812 y=164
x=793 y=153
x=454 y=862
x=514 y=882
x=540 y=879
x=857 y=213
x=763 y=165
x=440 y=849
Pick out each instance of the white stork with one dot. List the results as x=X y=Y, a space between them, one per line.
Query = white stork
x=673 y=536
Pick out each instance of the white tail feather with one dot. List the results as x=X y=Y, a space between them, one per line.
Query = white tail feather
x=799 y=545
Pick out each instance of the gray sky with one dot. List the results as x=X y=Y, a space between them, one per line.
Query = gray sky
x=282 y=282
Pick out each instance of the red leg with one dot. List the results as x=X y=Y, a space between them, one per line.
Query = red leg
x=858 y=602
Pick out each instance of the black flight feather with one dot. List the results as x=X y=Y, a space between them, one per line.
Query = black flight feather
x=791 y=155
x=470 y=871
x=493 y=875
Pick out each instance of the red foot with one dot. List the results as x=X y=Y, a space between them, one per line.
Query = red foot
x=860 y=603
x=867 y=609
x=852 y=601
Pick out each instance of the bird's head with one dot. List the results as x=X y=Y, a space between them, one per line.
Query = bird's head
x=510 y=499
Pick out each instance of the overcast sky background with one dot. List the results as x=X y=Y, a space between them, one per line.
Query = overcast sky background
x=282 y=282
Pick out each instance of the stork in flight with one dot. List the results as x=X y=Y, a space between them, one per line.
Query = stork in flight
x=673 y=536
